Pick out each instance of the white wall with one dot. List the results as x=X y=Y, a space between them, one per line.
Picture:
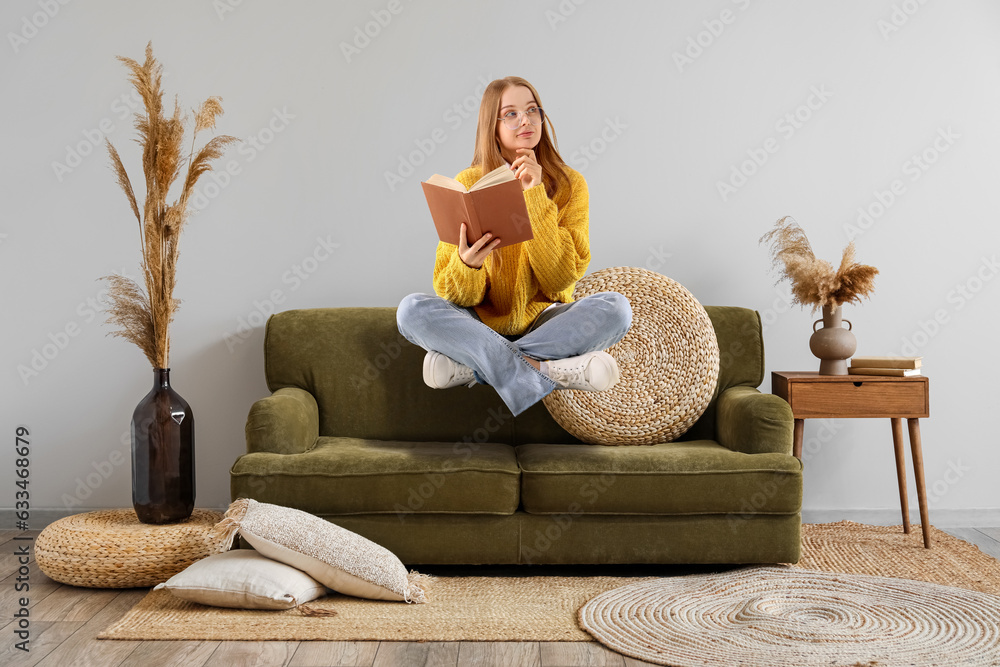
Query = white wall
x=663 y=135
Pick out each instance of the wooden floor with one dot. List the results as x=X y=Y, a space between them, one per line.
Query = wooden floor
x=64 y=621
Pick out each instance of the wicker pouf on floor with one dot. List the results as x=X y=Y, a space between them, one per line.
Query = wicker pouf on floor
x=113 y=549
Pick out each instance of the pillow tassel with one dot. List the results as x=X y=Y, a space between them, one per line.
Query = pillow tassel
x=224 y=531
x=418 y=585
x=309 y=610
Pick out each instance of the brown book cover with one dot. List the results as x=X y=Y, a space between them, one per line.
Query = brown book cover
x=494 y=203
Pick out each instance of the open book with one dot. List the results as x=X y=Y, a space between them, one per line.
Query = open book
x=494 y=203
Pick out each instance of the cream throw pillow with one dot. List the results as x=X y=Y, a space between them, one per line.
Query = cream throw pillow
x=336 y=557
x=243 y=579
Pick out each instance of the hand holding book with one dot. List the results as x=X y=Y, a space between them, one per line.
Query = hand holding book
x=475 y=256
x=494 y=204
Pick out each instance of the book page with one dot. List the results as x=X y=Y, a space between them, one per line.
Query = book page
x=445 y=182
x=501 y=174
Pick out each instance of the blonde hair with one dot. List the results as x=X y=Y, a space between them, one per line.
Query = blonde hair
x=487 y=154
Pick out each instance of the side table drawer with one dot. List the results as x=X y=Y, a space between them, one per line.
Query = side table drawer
x=859 y=398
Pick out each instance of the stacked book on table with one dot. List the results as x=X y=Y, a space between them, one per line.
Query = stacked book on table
x=897 y=366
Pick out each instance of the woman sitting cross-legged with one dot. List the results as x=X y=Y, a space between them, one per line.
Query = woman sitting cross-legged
x=507 y=317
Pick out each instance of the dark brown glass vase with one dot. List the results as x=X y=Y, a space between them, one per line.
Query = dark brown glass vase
x=162 y=454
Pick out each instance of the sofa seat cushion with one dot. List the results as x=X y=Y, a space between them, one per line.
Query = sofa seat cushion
x=693 y=477
x=358 y=476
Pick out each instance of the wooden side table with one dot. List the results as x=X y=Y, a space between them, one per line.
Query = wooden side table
x=813 y=396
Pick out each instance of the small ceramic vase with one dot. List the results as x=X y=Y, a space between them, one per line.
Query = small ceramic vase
x=833 y=344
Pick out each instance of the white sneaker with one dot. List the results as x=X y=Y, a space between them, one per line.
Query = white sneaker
x=593 y=371
x=442 y=372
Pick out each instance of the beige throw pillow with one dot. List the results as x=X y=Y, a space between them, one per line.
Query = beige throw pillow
x=243 y=579
x=336 y=557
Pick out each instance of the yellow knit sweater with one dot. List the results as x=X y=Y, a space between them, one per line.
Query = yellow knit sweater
x=532 y=274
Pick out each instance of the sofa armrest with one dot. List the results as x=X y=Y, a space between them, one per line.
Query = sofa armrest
x=754 y=423
x=286 y=422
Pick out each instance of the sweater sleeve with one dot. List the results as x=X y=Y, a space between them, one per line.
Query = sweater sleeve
x=454 y=280
x=559 y=253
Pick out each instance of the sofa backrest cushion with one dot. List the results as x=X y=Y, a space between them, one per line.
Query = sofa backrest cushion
x=368 y=383
x=368 y=380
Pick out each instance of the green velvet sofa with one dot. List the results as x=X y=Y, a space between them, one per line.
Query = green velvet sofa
x=352 y=434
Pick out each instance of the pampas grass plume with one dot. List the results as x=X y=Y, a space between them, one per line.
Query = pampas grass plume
x=143 y=312
x=814 y=281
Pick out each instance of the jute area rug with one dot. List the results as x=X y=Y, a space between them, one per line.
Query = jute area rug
x=790 y=617
x=544 y=608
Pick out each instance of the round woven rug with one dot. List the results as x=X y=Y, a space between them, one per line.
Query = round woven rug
x=783 y=616
x=669 y=362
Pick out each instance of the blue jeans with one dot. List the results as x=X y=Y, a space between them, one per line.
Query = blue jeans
x=562 y=330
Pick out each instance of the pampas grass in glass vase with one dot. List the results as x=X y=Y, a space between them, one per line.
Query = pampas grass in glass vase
x=816 y=283
x=163 y=483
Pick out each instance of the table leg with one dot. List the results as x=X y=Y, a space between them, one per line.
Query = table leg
x=897 y=444
x=918 y=473
x=797 y=438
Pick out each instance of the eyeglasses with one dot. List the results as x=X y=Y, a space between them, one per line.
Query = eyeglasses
x=512 y=119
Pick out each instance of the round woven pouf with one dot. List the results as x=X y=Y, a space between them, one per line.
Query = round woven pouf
x=669 y=363
x=113 y=549
x=791 y=617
